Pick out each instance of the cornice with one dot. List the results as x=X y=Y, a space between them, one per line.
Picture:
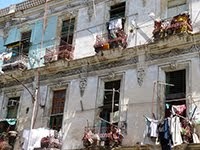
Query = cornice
x=172 y=52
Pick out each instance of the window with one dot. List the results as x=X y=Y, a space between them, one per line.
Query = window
x=12 y=107
x=117 y=16
x=67 y=32
x=176 y=7
x=25 y=42
x=175 y=95
x=22 y=46
x=110 y=108
x=117 y=11
x=57 y=109
x=177 y=78
x=116 y=35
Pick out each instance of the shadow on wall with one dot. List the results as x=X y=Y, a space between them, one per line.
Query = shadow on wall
x=73 y=130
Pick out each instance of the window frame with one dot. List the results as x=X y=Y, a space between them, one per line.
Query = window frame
x=162 y=69
x=69 y=34
x=114 y=7
x=25 y=41
x=16 y=107
x=100 y=95
x=61 y=18
x=56 y=115
x=10 y=93
x=171 y=90
x=55 y=85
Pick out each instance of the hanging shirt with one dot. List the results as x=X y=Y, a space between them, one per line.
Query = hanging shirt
x=153 y=126
x=148 y=132
x=176 y=130
x=164 y=134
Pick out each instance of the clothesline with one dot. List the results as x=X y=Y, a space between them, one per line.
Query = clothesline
x=155 y=102
x=183 y=118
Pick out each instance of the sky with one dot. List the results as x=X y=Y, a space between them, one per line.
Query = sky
x=6 y=3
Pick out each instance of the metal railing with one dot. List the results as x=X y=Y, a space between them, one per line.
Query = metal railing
x=19 y=58
x=111 y=40
x=59 y=52
x=15 y=62
x=177 y=24
x=95 y=136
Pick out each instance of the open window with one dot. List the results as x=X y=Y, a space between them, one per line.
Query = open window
x=57 y=109
x=17 y=53
x=67 y=32
x=25 y=42
x=115 y=27
x=175 y=7
x=110 y=109
x=20 y=47
x=115 y=36
x=117 y=11
x=65 y=49
x=176 y=94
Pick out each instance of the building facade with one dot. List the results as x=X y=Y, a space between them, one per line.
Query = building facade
x=92 y=63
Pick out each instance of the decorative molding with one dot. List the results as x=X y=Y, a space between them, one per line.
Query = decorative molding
x=111 y=75
x=172 y=52
x=82 y=85
x=59 y=84
x=173 y=65
x=90 y=10
x=83 y=79
x=13 y=92
x=92 y=67
x=140 y=76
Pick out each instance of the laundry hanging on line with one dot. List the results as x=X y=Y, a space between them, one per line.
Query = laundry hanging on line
x=5 y=56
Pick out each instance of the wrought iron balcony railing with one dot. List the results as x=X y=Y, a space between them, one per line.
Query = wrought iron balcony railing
x=15 y=62
x=59 y=52
x=117 y=38
x=166 y=27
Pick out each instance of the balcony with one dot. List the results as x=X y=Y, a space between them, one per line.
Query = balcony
x=59 y=52
x=114 y=39
x=106 y=137
x=176 y=25
x=15 y=62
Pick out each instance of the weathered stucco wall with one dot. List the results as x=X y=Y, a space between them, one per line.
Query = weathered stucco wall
x=75 y=119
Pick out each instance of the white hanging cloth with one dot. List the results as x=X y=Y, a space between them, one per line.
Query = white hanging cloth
x=7 y=56
x=176 y=131
x=195 y=138
x=115 y=24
